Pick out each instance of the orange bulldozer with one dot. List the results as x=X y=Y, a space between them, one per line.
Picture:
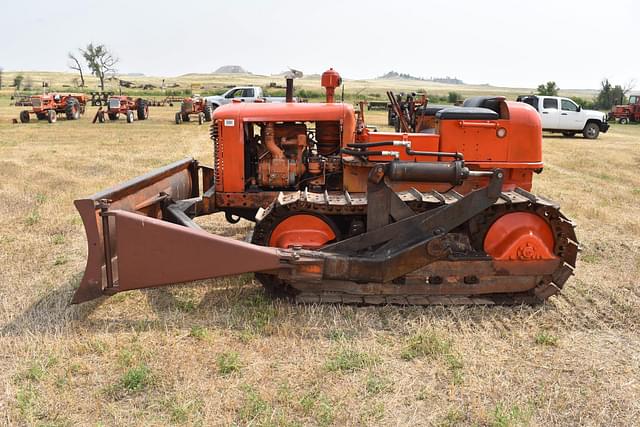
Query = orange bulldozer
x=344 y=214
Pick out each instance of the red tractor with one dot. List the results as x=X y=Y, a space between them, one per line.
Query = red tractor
x=627 y=113
x=194 y=106
x=126 y=105
x=47 y=107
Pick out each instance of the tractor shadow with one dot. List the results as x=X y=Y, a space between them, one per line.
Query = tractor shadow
x=52 y=312
x=241 y=305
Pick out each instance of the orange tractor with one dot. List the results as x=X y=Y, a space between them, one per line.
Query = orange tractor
x=194 y=106
x=343 y=214
x=125 y=105
x=48 y=106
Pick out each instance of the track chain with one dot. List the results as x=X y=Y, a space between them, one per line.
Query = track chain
x=345 y=204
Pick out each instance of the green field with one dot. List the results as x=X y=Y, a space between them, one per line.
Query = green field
x=220 y=352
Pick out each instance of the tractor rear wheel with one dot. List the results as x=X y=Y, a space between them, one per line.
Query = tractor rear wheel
x=178 y=118
x=200 y=118
x=114 y=116
x=591 y=130
x=208 y=113
x=143 y=110
x=185 y=117
x=24 y=116
x=52 y=116
x=129 y=116
x=72 y=109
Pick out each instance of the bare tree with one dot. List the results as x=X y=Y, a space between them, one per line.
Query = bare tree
x=100 y=61
x=75 y=64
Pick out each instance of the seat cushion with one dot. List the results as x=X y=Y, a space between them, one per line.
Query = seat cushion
x=466 y=113
x=430 y=110
x=490 y=102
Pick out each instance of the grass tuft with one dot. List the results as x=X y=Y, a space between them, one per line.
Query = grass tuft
x=425 y=345
x=33 y=218
x=228 y=363
x=544 y=338
x=511 y=416
x=376 y=385
x=199 y=333
x=136 y=378
x=347 y=360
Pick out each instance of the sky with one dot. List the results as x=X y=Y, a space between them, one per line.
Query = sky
x=575 y=43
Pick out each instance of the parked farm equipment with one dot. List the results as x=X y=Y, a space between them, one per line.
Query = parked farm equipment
x=123 y=105
x=196 y=106
x=627 y=113
x=344 y=214
x=48 y=106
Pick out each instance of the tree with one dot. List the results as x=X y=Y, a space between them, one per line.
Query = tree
x=100 y=61
x=17 y=81
x=74 y=64
x=548 y=89
x=611 y=95
x=454 y=97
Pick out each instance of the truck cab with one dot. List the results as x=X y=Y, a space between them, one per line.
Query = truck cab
x=559 y=114
x=240 y=94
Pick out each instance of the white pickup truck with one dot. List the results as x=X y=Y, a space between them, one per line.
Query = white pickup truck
x=243 y=94
x=559 y=114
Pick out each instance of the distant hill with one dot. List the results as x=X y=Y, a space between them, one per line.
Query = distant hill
x=231 y=69
x=403 y=76
x=395 y=75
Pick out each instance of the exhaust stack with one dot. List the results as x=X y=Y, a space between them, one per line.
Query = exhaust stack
x=292 y=74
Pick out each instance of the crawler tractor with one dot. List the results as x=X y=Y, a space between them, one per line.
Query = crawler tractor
x=194 y=106
x=342 y=214
x=47 y=107
x=125 y=105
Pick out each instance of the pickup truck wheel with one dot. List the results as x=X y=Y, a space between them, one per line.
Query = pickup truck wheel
x=568 y=134
x=178 y=118
x=624 y=121
x=591 y=131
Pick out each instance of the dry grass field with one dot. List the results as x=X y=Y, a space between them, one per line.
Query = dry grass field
x=221 y=353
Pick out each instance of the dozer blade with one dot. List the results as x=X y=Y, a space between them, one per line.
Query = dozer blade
x=143 y=197
x=151 y=252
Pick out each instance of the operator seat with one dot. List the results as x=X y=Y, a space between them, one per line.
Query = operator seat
x=494 y=103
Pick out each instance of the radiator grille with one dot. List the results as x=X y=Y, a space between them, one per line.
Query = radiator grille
x=187 y=106
x=218 y=156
